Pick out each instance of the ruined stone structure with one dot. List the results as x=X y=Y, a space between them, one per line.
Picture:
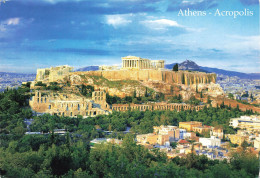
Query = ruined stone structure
x=133 y=62
x=170 y=77
x=155 y=106
x=53 y=74
x=69 y=104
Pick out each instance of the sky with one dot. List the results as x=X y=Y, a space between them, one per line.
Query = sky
x=44 y=33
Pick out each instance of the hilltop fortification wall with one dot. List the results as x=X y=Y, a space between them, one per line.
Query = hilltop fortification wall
x=180 y=77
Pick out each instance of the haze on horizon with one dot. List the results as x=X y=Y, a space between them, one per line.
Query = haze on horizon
x=81 y=33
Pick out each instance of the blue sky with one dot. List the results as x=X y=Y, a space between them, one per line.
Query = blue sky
x=43 y=33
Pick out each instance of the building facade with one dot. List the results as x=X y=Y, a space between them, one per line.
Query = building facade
x=189 y=125
x=251 y=123
x=217 y=132
x=210 y=142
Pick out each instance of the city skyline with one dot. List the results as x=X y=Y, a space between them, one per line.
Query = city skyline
x=83 y=33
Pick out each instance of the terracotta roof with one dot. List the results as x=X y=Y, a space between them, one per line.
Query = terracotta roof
x=183 y=142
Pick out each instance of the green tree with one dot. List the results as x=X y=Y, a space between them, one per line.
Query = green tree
x=174 y=144
x=182 y=79
x=175 y=68
x=208 y=100
x=231 y=96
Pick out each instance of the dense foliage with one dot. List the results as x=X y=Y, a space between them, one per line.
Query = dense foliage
x=13 y=109
x=149 y=96
x=70 y=158
x=86 y=90
x=53 y=86
x=139 y=121
x=70 y=155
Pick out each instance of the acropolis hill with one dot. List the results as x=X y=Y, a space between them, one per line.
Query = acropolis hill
x=59 y=90
x=133 y=68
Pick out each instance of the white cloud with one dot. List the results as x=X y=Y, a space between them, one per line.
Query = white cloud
x=118 y=20
x=160 y=24
x=13 y=21
x=9 y=26
x=246 y=42
x=9 y=22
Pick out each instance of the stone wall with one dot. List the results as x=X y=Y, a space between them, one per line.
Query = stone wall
x=171 y=77
x=155 y=106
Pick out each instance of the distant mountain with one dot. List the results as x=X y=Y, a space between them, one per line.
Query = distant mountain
x=187 y=65
x=88 y=68
x=191 y=65
x=232 y=73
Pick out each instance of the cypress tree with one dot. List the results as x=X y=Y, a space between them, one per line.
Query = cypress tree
x=183 y=79
x=175 y=68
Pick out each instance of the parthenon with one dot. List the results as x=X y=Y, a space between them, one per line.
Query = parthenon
x=133 y=62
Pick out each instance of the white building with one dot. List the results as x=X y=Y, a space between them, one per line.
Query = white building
x=257 y=143
x=210 y=142
x=246 y=122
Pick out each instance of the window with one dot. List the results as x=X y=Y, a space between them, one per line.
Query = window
x=49 y=106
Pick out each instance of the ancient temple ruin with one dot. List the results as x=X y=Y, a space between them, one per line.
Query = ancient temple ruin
x=133 y=62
